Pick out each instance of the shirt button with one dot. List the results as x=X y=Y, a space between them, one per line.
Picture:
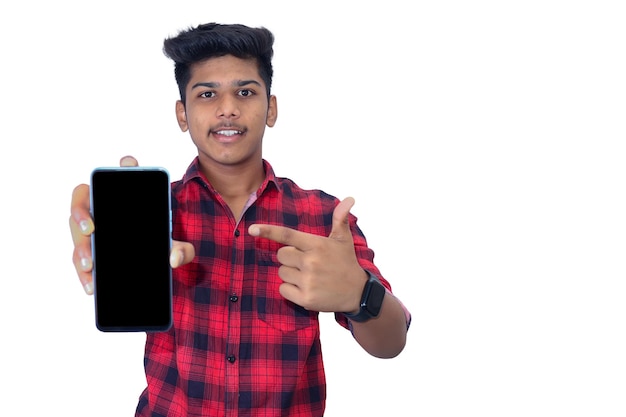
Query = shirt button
x=231 y=358
x=233 y=298
x=237 y=233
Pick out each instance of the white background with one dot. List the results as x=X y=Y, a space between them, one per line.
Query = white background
x=483 y=142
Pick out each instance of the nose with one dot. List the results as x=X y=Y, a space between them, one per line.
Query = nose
x=228 y=108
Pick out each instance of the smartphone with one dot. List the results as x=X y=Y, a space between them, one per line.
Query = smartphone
x=131 y=242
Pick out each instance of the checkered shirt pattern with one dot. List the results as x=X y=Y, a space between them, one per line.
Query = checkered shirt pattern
x=237 y=347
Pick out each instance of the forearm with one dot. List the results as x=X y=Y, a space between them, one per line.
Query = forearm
x=385 y=335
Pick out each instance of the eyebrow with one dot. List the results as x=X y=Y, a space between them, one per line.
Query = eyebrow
x=237 y=83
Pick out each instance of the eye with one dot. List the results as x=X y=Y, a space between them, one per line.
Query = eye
x=246 y=93
x=207 y=94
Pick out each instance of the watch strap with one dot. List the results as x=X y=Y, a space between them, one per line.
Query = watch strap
x=369 y=307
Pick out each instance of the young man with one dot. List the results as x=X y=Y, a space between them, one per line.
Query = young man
x=255 y=257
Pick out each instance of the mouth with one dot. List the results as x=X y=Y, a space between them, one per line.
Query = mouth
x=227 y=134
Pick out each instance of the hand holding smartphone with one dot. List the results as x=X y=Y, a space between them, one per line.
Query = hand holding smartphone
x=131 y=243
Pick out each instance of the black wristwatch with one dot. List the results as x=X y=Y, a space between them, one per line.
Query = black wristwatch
x=371 y=300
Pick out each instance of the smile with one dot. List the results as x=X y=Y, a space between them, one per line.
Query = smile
x=228 y=132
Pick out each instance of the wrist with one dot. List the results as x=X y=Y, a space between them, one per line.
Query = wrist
x=358 y=294
x=370 y=302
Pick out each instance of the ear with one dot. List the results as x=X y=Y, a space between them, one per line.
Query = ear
x=181 y=116
x=272 y=112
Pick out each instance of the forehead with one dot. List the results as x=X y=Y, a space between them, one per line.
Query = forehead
x=225 y=68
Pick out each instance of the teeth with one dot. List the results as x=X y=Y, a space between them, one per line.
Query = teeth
x=228 y=132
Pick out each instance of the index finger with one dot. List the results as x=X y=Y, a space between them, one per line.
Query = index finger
x=81 y=226
x=79 y=209
x=282 y=234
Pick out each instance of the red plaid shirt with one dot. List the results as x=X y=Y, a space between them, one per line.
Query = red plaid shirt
x=237 y=347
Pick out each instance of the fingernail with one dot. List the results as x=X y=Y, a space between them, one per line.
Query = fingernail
x=175 y=259
x=84 y=226
x=253 y=230
x=85 y=264
x=88 y=287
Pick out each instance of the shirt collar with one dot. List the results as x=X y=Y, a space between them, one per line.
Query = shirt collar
x=193 y=171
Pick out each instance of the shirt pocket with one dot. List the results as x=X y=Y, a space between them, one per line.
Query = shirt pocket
x=272 y=308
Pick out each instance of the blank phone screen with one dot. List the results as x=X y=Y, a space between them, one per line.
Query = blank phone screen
x=131 y=245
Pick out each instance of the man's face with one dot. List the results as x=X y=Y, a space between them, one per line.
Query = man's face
x=226 y=111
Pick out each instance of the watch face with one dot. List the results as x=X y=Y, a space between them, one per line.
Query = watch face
x=375 y=298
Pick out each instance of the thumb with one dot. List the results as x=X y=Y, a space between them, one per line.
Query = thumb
x=128 y=161
x=182 y=253
x=341 y=225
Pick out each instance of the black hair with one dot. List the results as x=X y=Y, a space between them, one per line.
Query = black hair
x=212 y=40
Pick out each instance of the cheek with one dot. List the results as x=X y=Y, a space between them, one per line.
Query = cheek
x=261 y=118
x=197 y=120
x=196 y=127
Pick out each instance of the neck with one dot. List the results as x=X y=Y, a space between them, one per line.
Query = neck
x=234 y=181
